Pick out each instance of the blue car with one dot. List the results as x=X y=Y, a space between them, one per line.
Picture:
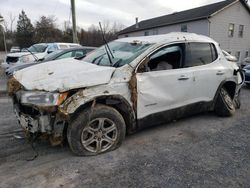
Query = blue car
x=247 y=75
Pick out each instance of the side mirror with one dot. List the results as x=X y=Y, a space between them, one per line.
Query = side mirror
x=50 y=51
x=231 y=58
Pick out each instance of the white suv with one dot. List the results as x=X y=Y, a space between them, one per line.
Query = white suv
x=34 y=52
x=124 y=86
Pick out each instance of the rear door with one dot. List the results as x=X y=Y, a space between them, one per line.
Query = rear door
x=208 y=70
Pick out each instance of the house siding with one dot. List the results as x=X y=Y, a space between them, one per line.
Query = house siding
x=219 y=23
x=199 y=27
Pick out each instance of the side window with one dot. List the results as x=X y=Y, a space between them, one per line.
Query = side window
x=63 y=46
x=66 y=55
x=169 y=57
x=88 y=50
x=79 y=53
x=200 y=54
x=214 y=52
x=51 y=48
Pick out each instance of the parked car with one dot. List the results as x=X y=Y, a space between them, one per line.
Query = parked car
x=124 y=86
x=79 y=52
x=14 y=49
x=35 y=52
x=247 y=75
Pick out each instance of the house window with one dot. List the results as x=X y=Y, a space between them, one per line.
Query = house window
x=184 y=28
x=247 y=54
x=241 y=30
x=146 y=33
x=237 y=55
x=155 y=32
x=231 y=30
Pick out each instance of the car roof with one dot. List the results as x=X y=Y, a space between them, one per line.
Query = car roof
x=77 y=48
x=170 y=37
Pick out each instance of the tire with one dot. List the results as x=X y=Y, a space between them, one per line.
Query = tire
x=224 y=105
x=237 y=102
x=248 y=85
x=95 y=131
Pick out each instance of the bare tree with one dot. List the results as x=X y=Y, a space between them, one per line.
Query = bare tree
x=93 y=36
x=12 y=20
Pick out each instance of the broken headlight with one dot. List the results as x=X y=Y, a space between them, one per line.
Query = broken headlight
x=41 y=98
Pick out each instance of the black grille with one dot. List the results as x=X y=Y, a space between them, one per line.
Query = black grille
x=11 y=59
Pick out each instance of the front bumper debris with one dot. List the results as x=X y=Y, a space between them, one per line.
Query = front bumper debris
x=33 y=125
x=45 y=122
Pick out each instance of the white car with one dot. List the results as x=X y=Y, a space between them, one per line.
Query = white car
x=124 y=86
x=34 y=52
x=15 y=49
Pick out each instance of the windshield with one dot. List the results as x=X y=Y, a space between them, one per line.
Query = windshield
x=123 y=53
x=38 y=48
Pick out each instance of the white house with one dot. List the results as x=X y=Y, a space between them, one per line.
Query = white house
x=227 y=22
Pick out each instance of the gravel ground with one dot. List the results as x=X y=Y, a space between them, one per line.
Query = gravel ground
x=199 y=151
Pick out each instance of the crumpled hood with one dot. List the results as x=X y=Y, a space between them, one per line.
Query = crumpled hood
x=63 y=75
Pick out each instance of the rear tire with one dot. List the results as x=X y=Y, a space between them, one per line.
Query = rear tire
x=224 y=105
x=95 y=131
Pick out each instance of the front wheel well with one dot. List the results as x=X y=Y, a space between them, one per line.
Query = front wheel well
x=117 y=102
x=230 y=87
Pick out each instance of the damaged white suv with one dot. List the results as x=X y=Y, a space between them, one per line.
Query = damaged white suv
x=123 y=86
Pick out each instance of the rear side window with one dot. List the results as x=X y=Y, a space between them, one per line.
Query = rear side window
x=88 y=50
x=200 y=54
x=66 y=55
x=79 y=53
x=63 y=46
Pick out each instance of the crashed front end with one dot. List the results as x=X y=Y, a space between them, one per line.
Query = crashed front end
x=37 y=111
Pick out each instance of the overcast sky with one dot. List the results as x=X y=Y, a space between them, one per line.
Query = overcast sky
x=92 y=11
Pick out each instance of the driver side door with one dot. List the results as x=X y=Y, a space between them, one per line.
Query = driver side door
x=163 y=89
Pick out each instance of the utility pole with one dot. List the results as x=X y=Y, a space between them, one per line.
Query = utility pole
x=75 y=40
x=4 y=39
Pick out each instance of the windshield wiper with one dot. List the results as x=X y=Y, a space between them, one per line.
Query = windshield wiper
x=107 y=49
x=93 y=61
x=35 y=57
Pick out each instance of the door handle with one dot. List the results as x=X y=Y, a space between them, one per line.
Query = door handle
x=182 y=77
x=220 y=73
